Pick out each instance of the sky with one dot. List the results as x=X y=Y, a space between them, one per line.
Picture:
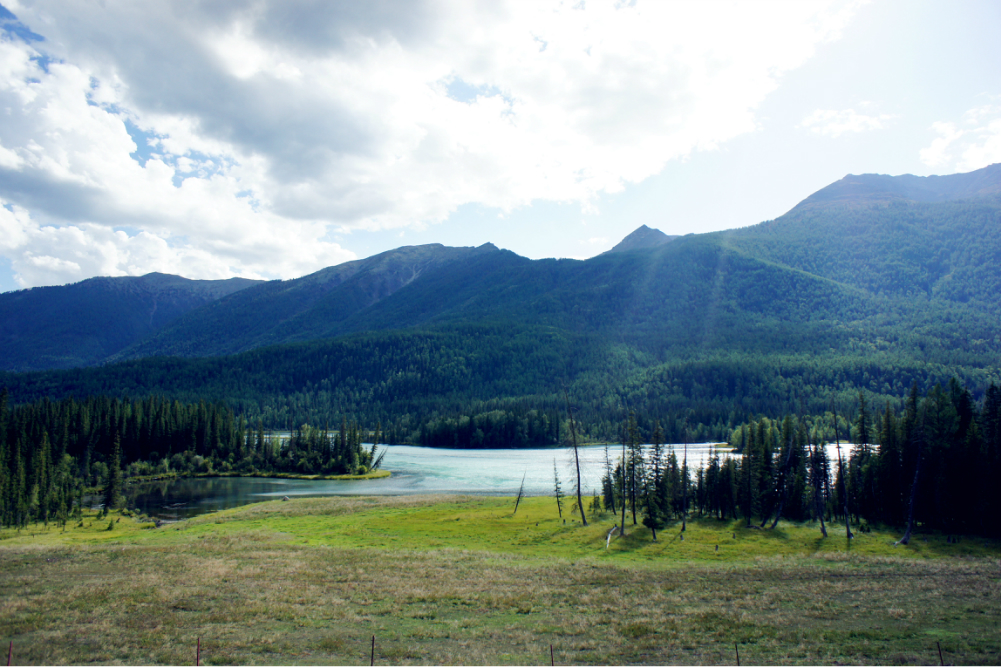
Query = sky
x=272 y=138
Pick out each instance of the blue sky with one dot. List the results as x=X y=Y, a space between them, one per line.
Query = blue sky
x=271 y=139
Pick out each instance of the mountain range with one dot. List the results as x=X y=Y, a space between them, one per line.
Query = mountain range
x=900 y=274
x=85 y=323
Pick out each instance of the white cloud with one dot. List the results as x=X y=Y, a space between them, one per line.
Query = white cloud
x=836 y=123
x=73 y=182
x=936 y=154
x=48 y=254
x=973 y=143
x=273 y=124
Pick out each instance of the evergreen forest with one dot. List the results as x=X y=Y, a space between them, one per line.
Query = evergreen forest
x=934 y=463
x=53 y=453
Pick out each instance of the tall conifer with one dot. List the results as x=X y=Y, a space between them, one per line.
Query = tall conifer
x=113 y=490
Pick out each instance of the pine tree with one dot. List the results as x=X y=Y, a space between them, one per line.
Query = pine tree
x=783 y=482
x=608 y=485
x=841 y=476
x=988 y=483
x=863 y=422
x=5 y=464
x=43 y=475
x=655 y=507
x=762 y=470
x=113 y=490
x=19 y=489
x=819 y=477
x=633 y=462
x=749 y=482
x=685 y=474
x=889 y=468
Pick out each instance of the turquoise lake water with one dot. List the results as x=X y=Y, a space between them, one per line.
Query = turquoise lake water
x=415 y=470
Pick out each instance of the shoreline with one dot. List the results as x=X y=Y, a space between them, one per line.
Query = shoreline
x=146 y=479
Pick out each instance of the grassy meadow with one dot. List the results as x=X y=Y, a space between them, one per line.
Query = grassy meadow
x=459 y=580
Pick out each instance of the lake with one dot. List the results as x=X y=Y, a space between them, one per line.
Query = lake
x=415 y=470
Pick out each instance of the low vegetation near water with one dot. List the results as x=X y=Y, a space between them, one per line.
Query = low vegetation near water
x=462 y=580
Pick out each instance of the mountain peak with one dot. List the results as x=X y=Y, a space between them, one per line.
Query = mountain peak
x=879 y=188
x=642 y=237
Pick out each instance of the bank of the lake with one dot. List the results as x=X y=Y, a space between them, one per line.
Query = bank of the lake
x=145 y=479
x=407 y=470
x=441 y=580
x=174 y=497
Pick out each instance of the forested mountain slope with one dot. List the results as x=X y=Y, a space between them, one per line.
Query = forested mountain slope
x=943 y=243
x=314 y=306
x=84 y=323
x=857 y=189
x=809 y=280
x=858 y=291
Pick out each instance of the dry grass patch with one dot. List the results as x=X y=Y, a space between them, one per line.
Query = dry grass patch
x=288 y=582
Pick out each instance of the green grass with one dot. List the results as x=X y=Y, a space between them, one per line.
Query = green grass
x=452 y=580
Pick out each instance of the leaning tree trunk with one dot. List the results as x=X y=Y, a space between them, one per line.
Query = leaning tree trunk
x=577 y=463
x=518 y=499
x=786 y=487
x=819 y=508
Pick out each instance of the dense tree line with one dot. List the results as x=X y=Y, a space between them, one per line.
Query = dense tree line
x=411 y=381
x=497 y=429
x=934 y=463
x=50 y=451
x=937 y=461
x=39 y=479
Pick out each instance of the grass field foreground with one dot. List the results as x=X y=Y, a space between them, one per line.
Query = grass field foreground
x=459 y=580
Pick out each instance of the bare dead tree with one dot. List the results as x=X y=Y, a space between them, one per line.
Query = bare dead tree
x=577 y=462
x=521 y=489
x=557 y=492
